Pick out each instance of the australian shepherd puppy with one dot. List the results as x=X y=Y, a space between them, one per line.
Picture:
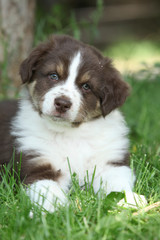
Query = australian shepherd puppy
x=67 y=113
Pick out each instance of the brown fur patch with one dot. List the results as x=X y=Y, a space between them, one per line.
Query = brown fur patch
x=51 y=67
x=44 y=171
x=124 y=162
x=7 y=112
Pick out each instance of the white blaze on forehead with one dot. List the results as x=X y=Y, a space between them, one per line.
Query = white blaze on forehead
x=73 y=69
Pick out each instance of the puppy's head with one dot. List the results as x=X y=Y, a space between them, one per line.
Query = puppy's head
x=71 y=81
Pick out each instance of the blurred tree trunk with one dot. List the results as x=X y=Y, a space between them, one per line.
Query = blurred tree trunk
x=16 y=37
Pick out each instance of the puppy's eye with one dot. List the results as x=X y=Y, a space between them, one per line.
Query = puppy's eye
x=53 y=76
x=86 y=87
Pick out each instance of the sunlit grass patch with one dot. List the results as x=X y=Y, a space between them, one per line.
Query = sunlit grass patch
x=130 y=56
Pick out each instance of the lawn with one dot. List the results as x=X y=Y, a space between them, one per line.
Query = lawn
x=88 y=216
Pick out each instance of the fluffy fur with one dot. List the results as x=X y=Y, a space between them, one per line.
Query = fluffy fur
x=68 y=111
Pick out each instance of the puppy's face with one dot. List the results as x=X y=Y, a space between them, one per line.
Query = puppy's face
x=71 y=81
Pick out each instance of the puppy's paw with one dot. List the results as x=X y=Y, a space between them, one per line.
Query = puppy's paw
x=133 y=200
x=46 y=194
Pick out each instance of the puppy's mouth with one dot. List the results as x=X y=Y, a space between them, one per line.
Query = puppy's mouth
x=61 y=118
x=57 y=116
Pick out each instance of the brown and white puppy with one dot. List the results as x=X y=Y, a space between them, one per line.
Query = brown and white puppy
x=68 y=110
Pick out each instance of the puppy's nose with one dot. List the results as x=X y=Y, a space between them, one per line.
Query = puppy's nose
x=62 y=105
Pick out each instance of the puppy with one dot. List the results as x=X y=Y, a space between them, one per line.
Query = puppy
x=67 y=113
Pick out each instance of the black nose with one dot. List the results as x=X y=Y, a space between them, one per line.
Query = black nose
x=62 y=105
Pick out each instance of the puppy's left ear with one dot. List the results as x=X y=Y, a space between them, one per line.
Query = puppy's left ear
x=114 y=90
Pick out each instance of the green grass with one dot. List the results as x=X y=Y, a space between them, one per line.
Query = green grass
x=90 y=217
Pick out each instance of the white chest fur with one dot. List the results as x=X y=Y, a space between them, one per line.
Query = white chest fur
x=93 y=143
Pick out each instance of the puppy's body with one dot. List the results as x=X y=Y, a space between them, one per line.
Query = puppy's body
x=68 y=113
x=100 y=142
x=8 y=110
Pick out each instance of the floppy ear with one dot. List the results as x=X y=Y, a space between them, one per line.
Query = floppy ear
x=28 y=66
x=114 y=90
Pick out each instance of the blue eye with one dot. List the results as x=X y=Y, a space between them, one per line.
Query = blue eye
x=86 y=87
x=53 y=76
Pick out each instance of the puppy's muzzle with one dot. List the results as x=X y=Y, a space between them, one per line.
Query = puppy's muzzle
x=62 y=105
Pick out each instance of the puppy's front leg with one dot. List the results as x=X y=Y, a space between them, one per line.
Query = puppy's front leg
x=46 y=187
x=115 y=179
x=118 y=179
